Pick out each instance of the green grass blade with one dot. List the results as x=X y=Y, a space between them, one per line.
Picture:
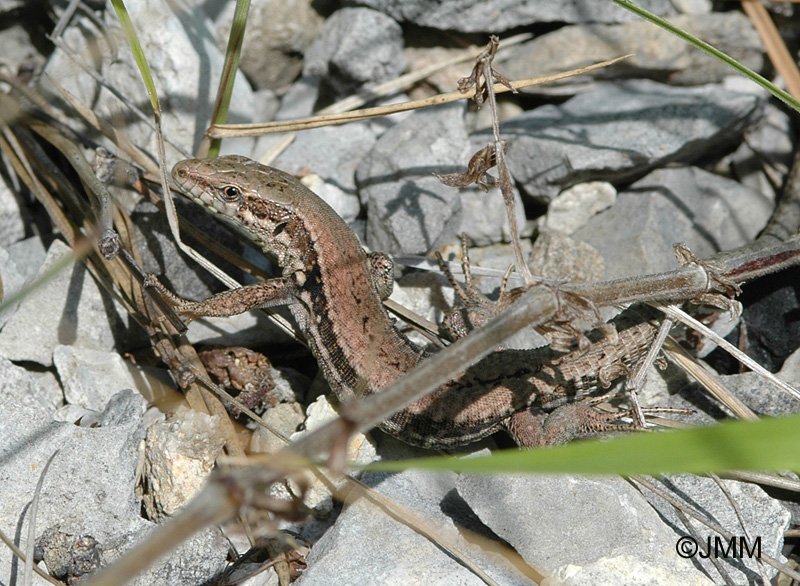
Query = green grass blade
x=232 y=53
x=711 y=50
x=769 y=444
x=138 y=54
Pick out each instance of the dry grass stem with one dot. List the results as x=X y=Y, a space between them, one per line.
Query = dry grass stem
x=235 y=130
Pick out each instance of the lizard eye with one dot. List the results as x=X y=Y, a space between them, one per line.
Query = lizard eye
x=231 y=193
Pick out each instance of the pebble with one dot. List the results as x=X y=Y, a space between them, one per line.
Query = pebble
x=598 y=544
x=495 y=16
x=620 y=131
x=354 y=47
x=277 y=35
x=678 y=204
x=69 y=307
x=179 y=454
x=573 y=207
x=656 y=53
x=609 y=171
x=409 y=211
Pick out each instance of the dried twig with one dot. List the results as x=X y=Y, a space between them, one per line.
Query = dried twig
x=481 y=81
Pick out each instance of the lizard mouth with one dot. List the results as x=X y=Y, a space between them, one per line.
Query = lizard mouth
x=189 y=177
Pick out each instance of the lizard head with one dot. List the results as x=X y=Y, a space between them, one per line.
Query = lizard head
x=257 y=200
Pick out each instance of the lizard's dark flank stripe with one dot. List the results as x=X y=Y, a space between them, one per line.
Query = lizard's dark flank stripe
x=339 y=308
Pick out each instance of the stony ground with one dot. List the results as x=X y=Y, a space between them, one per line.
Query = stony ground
x=610 y=170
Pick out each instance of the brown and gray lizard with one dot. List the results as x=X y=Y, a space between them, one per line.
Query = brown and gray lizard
x=335 y=290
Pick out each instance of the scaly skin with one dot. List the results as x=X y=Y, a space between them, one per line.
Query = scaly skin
x=327 y=280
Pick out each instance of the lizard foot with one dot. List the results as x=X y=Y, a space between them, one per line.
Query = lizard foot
x=476 y=309
x=569 y=422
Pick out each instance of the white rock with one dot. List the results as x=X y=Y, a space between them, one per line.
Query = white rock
x=573 y=207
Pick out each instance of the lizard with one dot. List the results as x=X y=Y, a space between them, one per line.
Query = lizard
x=335 y=291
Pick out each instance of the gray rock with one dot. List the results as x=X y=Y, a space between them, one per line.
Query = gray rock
x=91 y=377
x=760 y=395
x=409 y=211
x=284 y=418
x=762 y=515
x=573 y=207
x=18 y=265
x=69 y=308
x=89 y=489
x=28 y=255
x=326 y=159
x=162 y=257
x=354 y=47
x=484 y=216
x=620 y=131
x=790 y=371
x=37 y=391
x=397 y=554
x=500 y=15
x=12 y=228
x=360 y=450
x=10 y=5
x=426 y=293
x=199 y=560
x=763 y=160
x=93 y=472
x=558 y=257
x=12 y=281
x=657 y=54
x=427 y=47
x=186 y=68
x=19 y=38
x=267 y=105
x=299 y=101
x=583 y=530
x=772 y=332
x=705 y=211
x=278 y=33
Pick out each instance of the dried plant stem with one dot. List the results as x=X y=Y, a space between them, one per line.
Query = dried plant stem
x=708 y=523
x=773 y=43
x=226 y=492
x=687 y=319
x=235 y=130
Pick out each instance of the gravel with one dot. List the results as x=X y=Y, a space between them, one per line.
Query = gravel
x=608 y=171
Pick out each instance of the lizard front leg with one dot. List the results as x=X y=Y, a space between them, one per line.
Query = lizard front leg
x=271 y=293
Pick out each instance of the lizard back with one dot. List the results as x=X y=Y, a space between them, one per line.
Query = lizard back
x=339 y=308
